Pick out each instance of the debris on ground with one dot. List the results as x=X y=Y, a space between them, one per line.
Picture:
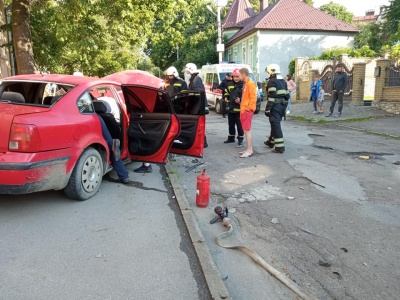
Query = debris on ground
x=344 y=249
x=324 y=263
x=338 y=275
x=275 y=221
x=290 y=197
x=307 y=230
x=364 y=156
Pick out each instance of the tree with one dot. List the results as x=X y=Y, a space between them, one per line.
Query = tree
x=338 y=11
x=97 y=39
x=22 y=39
x=391 y=26
x=370 y=35
x=309 y=2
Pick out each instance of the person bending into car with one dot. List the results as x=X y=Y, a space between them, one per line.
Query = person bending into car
x=115 y=154
x=234 y=94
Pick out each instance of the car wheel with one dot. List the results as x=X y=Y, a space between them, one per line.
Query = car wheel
x=218 y=107
x=86 y=177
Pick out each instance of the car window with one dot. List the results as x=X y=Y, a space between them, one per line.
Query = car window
x=85 y=103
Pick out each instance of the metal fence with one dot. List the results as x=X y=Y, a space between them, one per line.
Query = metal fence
x=394 y=76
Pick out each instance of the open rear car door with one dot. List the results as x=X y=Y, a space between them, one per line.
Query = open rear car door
x=190 y=109
x=153 y=125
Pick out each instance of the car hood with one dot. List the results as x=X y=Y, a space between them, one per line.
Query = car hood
x=7 y=113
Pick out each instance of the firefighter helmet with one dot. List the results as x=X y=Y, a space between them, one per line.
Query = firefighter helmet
x=273 y=69
x=191 y=68
x=235 y=73
x=172 y=71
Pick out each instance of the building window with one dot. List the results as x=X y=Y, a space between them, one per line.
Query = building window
x=244 y=53
x=250 y=62
x=229 y=54
x=235 y=54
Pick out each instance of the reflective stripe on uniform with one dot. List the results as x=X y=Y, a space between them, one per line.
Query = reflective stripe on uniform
x=272 y=89
x=279 y=142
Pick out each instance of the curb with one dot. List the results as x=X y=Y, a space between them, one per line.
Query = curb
x=213 y=278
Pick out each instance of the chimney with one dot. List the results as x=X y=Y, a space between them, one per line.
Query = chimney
x=370 y=12
x=263 y=4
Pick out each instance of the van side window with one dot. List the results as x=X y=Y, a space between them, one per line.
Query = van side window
x=209 y=78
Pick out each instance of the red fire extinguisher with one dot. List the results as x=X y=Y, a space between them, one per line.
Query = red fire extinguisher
x=203 y=189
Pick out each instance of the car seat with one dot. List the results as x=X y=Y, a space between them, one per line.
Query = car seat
x=13 y=97
x=103 y=109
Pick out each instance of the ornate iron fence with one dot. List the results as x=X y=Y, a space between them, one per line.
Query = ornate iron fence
x=394 y=76
x=327 y=76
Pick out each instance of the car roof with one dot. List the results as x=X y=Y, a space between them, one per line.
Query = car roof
x=136 y=77
x=60 y=78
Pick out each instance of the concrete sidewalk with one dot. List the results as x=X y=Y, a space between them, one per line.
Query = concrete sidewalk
x=366 y=118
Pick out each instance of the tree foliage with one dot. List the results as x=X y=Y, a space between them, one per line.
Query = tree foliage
x=391 y=25
x=309 y=2
x=338 y=11
x=93 y=36
x=370 y=35
x=335 y=52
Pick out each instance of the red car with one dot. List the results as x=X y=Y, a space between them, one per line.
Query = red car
x=51 y=138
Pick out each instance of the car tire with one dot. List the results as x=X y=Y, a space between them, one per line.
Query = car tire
x=86 y=177
x=218 y=107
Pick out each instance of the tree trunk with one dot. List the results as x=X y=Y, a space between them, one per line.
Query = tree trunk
x=22 y=39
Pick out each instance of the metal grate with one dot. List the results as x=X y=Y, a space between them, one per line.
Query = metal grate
x=394 y=76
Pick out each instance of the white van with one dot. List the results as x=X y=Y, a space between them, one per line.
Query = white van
x=212 y=75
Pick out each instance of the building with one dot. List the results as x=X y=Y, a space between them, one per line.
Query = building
x=280 y=32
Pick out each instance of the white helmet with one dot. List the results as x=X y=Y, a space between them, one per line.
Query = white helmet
x=172 y=71
x=273 y=69
x=191 y=68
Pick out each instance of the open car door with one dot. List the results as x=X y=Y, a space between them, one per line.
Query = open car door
x=190 y=109
x=153 y=125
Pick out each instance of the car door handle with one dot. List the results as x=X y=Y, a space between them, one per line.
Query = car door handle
x=138 y=116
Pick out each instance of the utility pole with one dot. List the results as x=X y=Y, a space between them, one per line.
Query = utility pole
x=220 y=45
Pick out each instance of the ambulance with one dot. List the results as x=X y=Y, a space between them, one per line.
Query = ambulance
x=212 y=76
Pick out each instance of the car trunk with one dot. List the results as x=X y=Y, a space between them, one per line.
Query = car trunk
x=7 y=113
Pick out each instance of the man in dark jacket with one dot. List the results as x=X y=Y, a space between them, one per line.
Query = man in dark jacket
x=174 y=85
x=234 y=94
x=340 y=82
x=223 y=86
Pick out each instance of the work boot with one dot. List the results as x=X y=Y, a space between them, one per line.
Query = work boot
x=329 y=115
x=240 y=142
x=269 y=143
x=278 y=149
x=231 y=139
x=144 y=169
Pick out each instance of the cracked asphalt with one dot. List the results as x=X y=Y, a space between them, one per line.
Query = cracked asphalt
x=332 y=197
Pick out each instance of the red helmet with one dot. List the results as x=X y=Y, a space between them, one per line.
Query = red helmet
x=235 y=72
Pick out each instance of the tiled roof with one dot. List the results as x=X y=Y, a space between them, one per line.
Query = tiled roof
x=239 y=14
x=366 y=19
x=293 y=15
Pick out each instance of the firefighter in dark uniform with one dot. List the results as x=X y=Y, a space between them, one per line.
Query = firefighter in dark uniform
x=277 y=96
x=234 y=95
x=223 y=86
x=174 y=85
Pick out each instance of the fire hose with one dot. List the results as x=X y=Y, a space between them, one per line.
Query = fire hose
x=223 y=215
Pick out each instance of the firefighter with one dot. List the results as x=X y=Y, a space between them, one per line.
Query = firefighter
x=174 y=85
x=234 y=95
x=277 y=96
x=223 y=87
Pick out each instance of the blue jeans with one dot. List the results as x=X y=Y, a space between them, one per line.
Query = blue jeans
x=117 y=164
x=289 y=101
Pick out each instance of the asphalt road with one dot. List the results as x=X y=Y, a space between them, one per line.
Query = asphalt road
x=127 y=242
x=330 y=199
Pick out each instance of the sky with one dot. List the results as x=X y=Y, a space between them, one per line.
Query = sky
x=357 y=7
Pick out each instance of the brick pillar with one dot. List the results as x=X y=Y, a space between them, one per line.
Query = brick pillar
x=357 y=98
x=380 y=81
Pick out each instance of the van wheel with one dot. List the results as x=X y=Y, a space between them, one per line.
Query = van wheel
x=218 y=107
x=86 y=177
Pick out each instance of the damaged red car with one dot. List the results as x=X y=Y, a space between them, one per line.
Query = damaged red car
x=51 y=138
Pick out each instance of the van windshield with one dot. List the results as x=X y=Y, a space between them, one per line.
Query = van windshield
x=222 y=76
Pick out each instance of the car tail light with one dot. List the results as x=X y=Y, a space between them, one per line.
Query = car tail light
x=24 y=138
